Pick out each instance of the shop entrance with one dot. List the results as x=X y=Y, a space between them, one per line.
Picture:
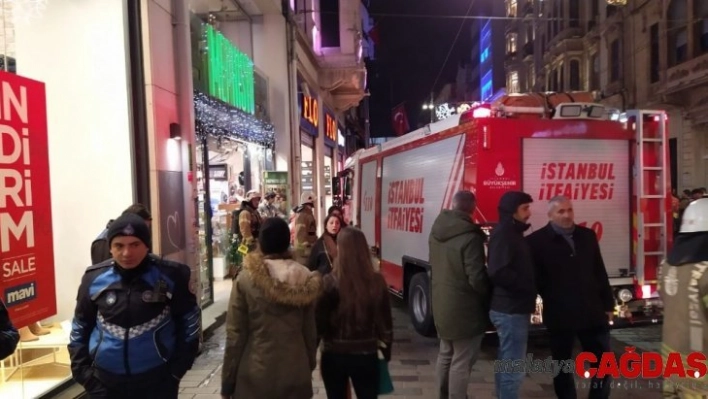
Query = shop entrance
x=228 y=169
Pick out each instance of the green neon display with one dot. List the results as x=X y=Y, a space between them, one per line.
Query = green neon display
x=231 y=77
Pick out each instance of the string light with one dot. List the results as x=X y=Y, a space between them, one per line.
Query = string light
x=216 y=118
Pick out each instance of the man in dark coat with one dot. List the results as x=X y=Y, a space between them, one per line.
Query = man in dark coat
x=576 y=292
x=460 y=293
x=511 y=270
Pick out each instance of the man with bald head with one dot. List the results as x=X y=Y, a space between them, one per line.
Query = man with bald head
x=576 y=292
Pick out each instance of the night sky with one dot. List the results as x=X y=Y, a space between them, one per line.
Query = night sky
x=411 y=53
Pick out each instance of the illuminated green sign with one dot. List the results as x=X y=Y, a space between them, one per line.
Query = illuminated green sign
x=230 y=72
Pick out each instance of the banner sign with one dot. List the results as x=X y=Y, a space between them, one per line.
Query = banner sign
x=26 y=244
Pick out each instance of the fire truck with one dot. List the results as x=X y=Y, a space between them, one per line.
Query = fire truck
x=613 y=166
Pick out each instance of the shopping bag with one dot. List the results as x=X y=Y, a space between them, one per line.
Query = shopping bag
x=385 y=382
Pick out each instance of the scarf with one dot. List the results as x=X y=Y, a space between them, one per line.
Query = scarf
x=566 y=233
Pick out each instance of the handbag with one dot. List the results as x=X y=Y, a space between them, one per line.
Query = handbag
x=385 y=381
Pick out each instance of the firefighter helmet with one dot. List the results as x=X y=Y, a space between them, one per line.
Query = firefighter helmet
x=307 y=198
x=695 y=217
x=253 y=194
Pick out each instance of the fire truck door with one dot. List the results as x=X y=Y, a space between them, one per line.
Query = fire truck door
x=370 y=203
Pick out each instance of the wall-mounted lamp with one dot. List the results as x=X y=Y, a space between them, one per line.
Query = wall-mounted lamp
x=175 y=131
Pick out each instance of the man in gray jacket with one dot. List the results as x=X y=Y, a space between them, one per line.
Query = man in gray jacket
x=460 y=293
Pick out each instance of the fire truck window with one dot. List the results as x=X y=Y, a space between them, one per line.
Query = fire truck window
x=570 y=111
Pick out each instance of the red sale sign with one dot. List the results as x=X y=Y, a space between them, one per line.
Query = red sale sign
x=26 y=247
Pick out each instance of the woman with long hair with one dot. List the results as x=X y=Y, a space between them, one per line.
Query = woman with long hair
x=324 y=252
x=354 y=320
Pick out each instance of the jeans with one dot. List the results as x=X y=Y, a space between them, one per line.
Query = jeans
x=513 y=331
x=363 y=370
x=455 y=362
x=595 y=340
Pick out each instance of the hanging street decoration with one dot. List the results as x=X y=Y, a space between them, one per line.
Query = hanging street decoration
x=217 y=118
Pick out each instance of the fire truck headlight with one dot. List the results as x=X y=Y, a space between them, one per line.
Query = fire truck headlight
x=624 y=295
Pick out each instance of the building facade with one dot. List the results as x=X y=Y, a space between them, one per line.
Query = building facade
x=643 y=54
x=488 y=52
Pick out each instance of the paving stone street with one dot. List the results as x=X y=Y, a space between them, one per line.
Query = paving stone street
x=413 y=366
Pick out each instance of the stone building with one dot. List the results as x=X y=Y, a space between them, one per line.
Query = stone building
x=641 y=54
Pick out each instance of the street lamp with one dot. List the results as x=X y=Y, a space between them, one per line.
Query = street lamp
x=428 y=106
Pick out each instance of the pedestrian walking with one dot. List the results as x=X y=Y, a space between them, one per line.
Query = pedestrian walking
x=354 y=320
x=271 y=335
x=460 y=290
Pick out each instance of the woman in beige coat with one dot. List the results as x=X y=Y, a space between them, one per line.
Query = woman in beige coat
x=271 y=337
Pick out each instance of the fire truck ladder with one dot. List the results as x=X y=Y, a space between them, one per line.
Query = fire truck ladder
x=658 y=172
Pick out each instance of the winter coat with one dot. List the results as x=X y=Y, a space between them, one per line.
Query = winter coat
x=574 y=286
x=683 y=286
x=271 y=335
x=363 y=340
x=460 y=283
x=323 y=254
x=9 y=336
x=305 y=228
x=510 y=265
x=249 y=223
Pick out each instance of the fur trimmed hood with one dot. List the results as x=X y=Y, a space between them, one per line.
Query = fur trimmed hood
x=283 y=281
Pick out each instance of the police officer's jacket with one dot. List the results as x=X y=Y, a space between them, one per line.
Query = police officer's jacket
x=683 y=286
x=134 y=324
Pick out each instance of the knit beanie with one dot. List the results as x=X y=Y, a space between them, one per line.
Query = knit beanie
x=129 y=225
x=274 y=236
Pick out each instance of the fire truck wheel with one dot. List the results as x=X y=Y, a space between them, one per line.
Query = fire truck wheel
x=419 y=305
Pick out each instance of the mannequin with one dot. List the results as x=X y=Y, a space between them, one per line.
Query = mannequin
x=32 y=332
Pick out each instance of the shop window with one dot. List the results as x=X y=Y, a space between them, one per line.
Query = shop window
x=329 y=23
x=561 y=77
x=677 y=32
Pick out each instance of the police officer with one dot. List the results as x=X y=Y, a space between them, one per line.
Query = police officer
x=683 y=285
x=136 y=325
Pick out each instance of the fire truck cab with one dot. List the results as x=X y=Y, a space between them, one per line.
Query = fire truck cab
x=612 y=165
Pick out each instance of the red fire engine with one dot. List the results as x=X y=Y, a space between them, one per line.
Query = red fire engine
x=614 y=166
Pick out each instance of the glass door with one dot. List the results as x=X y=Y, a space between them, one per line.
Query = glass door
x=203 y=205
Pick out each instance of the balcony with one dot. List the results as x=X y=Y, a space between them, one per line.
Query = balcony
x=572 y=34
x=687 y=75
x=344 y=77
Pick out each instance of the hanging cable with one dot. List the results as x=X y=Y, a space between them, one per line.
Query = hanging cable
x=452 y=47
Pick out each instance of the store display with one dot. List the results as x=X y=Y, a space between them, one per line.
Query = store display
x=39 y=364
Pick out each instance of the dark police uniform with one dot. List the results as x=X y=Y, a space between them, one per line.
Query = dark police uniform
x=135 y=331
